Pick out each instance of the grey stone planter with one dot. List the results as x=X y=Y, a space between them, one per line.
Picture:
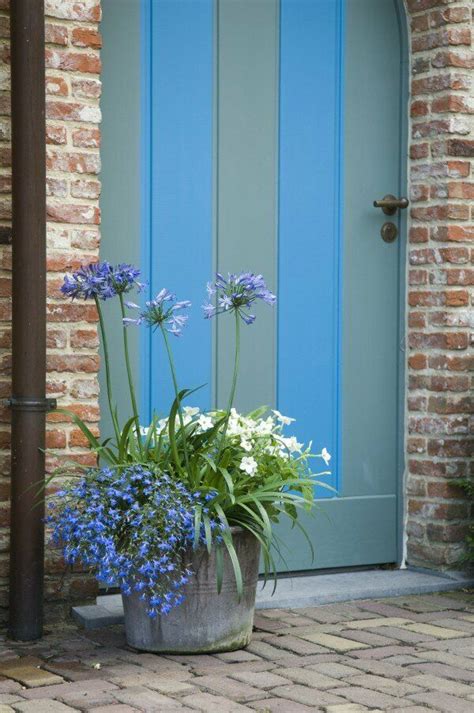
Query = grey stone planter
x=206 y=621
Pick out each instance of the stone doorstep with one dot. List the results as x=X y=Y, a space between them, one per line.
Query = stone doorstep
x=311 y=590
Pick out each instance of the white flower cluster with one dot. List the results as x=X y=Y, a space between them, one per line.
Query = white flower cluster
x=255 y=435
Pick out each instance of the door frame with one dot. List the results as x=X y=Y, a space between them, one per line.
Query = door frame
x=145 y=238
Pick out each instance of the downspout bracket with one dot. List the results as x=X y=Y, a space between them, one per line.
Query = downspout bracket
x=21 y=403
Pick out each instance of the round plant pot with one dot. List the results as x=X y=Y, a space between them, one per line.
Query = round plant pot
x=206 y=622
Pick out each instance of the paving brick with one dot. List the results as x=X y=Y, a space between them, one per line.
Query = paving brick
x=381 y=668
x=346 y=708
x=171 y=687
x=237 y=656
x=31 y=676
x=268 y=651
x=368 y=697
x=382 y=652
x=404 y=635
x=443 y=657
x=309 y=677
x=147 y=700
x=437 y=632
x=461 y=625
x=444 y=702
x=280 y=705
x=8 y=685
x=386 y=610
x=330 y=641
x=384 y=685
x=296 y=645
x=436 y=683
x=46 y=705
x=307 y=696
x=214 y=704
x=67 y=690
x=236 y=690
x=117 y=708
x=366 y=637
x=262 y=679
x=376 y=622
x=8 y=699
x=6 y=709
x=444 y=671
x=334 y=669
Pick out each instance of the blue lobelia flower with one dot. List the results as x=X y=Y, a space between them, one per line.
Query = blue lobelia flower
x=161 y=312
x=236 y=294
x=96 y=524
x=101 y=280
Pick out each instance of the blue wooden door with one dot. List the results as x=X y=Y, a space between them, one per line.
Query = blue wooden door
x=268 y=129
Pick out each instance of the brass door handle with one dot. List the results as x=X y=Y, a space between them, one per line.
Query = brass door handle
x=390 y=204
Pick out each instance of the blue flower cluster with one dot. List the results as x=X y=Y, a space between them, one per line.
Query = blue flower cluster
x=237 y=294
x=133 y=527
x=101 y=280
x=161 y=311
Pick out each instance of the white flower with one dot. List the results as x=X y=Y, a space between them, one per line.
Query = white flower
x=326 y=456
x=285 y=420
x=246 y=445
x=292 y=444
x=248 y=465
x=265 y=427
x=205 y=423
x=190 y=411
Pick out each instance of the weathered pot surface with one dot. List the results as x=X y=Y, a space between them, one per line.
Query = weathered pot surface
x=206 y=622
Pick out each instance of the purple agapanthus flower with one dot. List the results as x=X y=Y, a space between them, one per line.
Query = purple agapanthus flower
x=101 y=280
x=237 y=293
x=161 y=312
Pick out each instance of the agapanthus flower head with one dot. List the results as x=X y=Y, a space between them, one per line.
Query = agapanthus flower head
x=124 y=278
x=236 y=294
x=161 y=312
x=101 y=280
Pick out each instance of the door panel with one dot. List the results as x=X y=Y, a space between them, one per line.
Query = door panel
x=272 y=127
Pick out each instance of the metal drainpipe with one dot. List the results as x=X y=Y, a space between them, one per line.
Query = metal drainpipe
x=28 y=402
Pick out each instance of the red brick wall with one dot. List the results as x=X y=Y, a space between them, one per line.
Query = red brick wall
x=440 y=312
x=73 y=164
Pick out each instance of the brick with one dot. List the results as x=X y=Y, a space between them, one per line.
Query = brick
x=48 y=705
x=228 y=687
x=367 y=697
x=307 y=696
x=70 y=213
x=383 y=684
x=86 y=138
x=86 y=37
x=81 y=10
x=88 y=63
x=261 y=679
x=72 y=111
x=209 y=703
x=330 y=641
x=56 y=34
x=444 y=702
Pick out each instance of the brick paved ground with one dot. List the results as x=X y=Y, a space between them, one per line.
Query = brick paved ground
x=407 y=653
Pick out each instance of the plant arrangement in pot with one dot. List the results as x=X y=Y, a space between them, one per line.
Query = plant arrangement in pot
x=180 y=512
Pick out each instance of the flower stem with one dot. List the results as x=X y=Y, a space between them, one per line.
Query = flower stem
x=130 y=375
x=176 y=391
x=234 y=378
x=107 y=369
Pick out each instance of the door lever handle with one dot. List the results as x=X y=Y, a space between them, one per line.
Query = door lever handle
x=390 y=204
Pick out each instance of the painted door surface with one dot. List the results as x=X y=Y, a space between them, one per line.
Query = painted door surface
x=269 y=127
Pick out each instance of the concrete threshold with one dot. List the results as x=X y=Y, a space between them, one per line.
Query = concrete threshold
x=310 y=590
